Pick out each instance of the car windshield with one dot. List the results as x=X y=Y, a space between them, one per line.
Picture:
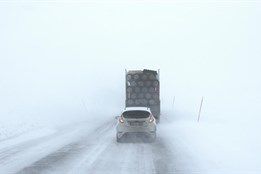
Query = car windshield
x=136 y=114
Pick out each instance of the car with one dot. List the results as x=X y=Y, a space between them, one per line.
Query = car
x=138 y=121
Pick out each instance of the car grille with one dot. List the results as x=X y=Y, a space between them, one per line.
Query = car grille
x=137 y=123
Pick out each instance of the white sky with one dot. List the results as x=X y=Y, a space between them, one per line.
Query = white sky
x=51 y=51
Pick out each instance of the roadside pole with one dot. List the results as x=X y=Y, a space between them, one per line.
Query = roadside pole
x=173 y=103
x=200 y=108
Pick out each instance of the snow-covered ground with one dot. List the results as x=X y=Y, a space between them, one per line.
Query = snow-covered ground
x=10 y=129
x=19 y=152
x=216 y=147
x=182 y=146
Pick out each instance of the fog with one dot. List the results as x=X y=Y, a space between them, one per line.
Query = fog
x=63 y=61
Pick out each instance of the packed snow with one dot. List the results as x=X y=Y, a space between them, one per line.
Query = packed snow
x=62 y=72
x=9 y=129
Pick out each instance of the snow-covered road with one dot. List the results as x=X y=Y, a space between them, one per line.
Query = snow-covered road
x=86 y=150
x=90 y=147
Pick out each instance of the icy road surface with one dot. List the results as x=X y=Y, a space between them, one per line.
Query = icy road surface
x=93 y=151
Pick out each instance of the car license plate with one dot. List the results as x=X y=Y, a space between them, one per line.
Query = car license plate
x=136 y=123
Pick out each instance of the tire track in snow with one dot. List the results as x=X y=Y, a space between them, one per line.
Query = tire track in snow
x=99 y=153
x=133 y=158
x=64 y=159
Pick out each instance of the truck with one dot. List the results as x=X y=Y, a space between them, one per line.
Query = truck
x=143 y=90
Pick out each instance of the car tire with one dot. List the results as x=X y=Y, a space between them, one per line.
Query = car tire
x=153 y=137
x=157 y=120
x=118 y=140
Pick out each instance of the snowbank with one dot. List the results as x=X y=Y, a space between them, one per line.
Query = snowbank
x=14 y=129
x=216 y=147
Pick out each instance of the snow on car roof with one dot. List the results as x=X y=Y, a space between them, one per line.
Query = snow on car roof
x=137 y=109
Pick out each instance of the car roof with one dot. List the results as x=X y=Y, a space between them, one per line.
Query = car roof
x=136 y=109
